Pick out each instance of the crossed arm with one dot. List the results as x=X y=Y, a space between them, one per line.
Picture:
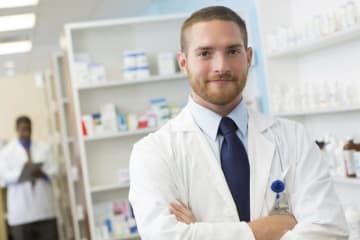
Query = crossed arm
x=314 y=203
x=266 y=228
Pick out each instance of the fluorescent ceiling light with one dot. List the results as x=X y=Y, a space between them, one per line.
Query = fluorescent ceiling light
x=17 y=3
x=17 y=22
x=15 y=47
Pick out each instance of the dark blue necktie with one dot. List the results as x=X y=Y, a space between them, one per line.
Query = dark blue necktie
x=235 y=165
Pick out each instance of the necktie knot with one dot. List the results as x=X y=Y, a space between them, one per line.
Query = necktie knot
x=227 y=125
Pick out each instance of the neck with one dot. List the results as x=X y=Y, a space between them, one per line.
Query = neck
x=222 y=110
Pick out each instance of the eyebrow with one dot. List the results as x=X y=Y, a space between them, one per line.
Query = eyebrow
x=235 y=46
x=203 y=48
x=238 y=45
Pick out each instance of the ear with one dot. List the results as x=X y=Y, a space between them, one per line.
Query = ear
x=249 y=55
x=182 y=61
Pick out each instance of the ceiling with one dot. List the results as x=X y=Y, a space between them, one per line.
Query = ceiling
x=51 y=15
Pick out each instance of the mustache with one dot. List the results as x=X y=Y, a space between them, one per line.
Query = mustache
x=227 y=76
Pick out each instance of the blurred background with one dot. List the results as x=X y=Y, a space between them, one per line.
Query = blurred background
x=95 y=76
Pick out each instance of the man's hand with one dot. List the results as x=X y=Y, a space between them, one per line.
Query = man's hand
x=272 y=227
x=182 y=212
x=38 y=173
x=266 y=228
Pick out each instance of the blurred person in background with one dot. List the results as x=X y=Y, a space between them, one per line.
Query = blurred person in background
x=30 y=203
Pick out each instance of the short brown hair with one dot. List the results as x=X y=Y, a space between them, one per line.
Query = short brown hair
x=213 y=13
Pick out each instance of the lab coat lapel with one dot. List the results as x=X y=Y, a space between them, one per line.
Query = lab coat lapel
x=201 y=151
x=261 y=153
x=216 y=176
x=19 y=153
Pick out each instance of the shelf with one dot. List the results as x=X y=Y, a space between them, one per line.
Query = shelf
x=342 y=36
x=346 y=180
x=151 y=79
x=119 y=134
x=108 y=188
x=318 y=111
x=132 y=236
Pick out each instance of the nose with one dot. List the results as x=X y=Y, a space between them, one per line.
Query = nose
x=220 y=64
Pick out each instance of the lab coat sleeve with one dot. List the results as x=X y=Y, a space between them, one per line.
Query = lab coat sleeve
x=314 y=202
x=50 y=166
x=152 y=188
x=8 y=173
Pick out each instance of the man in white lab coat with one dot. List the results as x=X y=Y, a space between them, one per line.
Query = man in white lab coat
x=30 y=203
x=219 y=171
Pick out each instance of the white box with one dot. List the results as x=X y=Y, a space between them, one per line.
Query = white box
x=97 y=72
x=109 y=118
x=166 y=63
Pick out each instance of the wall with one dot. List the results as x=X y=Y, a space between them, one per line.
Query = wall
x=19 y=95
x=247 y=6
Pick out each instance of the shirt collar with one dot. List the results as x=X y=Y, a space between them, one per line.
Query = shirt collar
x=209 y=121
x=25 y=144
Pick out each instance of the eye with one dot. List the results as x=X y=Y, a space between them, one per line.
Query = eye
x=204 y=53
x=234 y=51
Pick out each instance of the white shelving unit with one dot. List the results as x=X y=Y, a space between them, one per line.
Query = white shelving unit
x=120 y=83
x=320 y=111
x=102 y=156
x=338 y=38
x=329 y=58
x=128 y=237
x=135 y=236
x=119 y=134
x=59 y=140
x=65 y=139
x=70 y=188
x=100 y=189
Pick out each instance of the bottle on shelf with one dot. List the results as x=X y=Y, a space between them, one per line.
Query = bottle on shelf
x=329 y=149
x=356 y=158
x=348 y=150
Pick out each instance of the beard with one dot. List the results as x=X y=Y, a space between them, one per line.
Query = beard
x=221 y=95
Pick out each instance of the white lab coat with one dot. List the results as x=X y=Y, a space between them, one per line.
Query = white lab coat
x=177 y=162
x=27 y=203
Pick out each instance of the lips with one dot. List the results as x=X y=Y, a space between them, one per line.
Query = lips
x=220 y=81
